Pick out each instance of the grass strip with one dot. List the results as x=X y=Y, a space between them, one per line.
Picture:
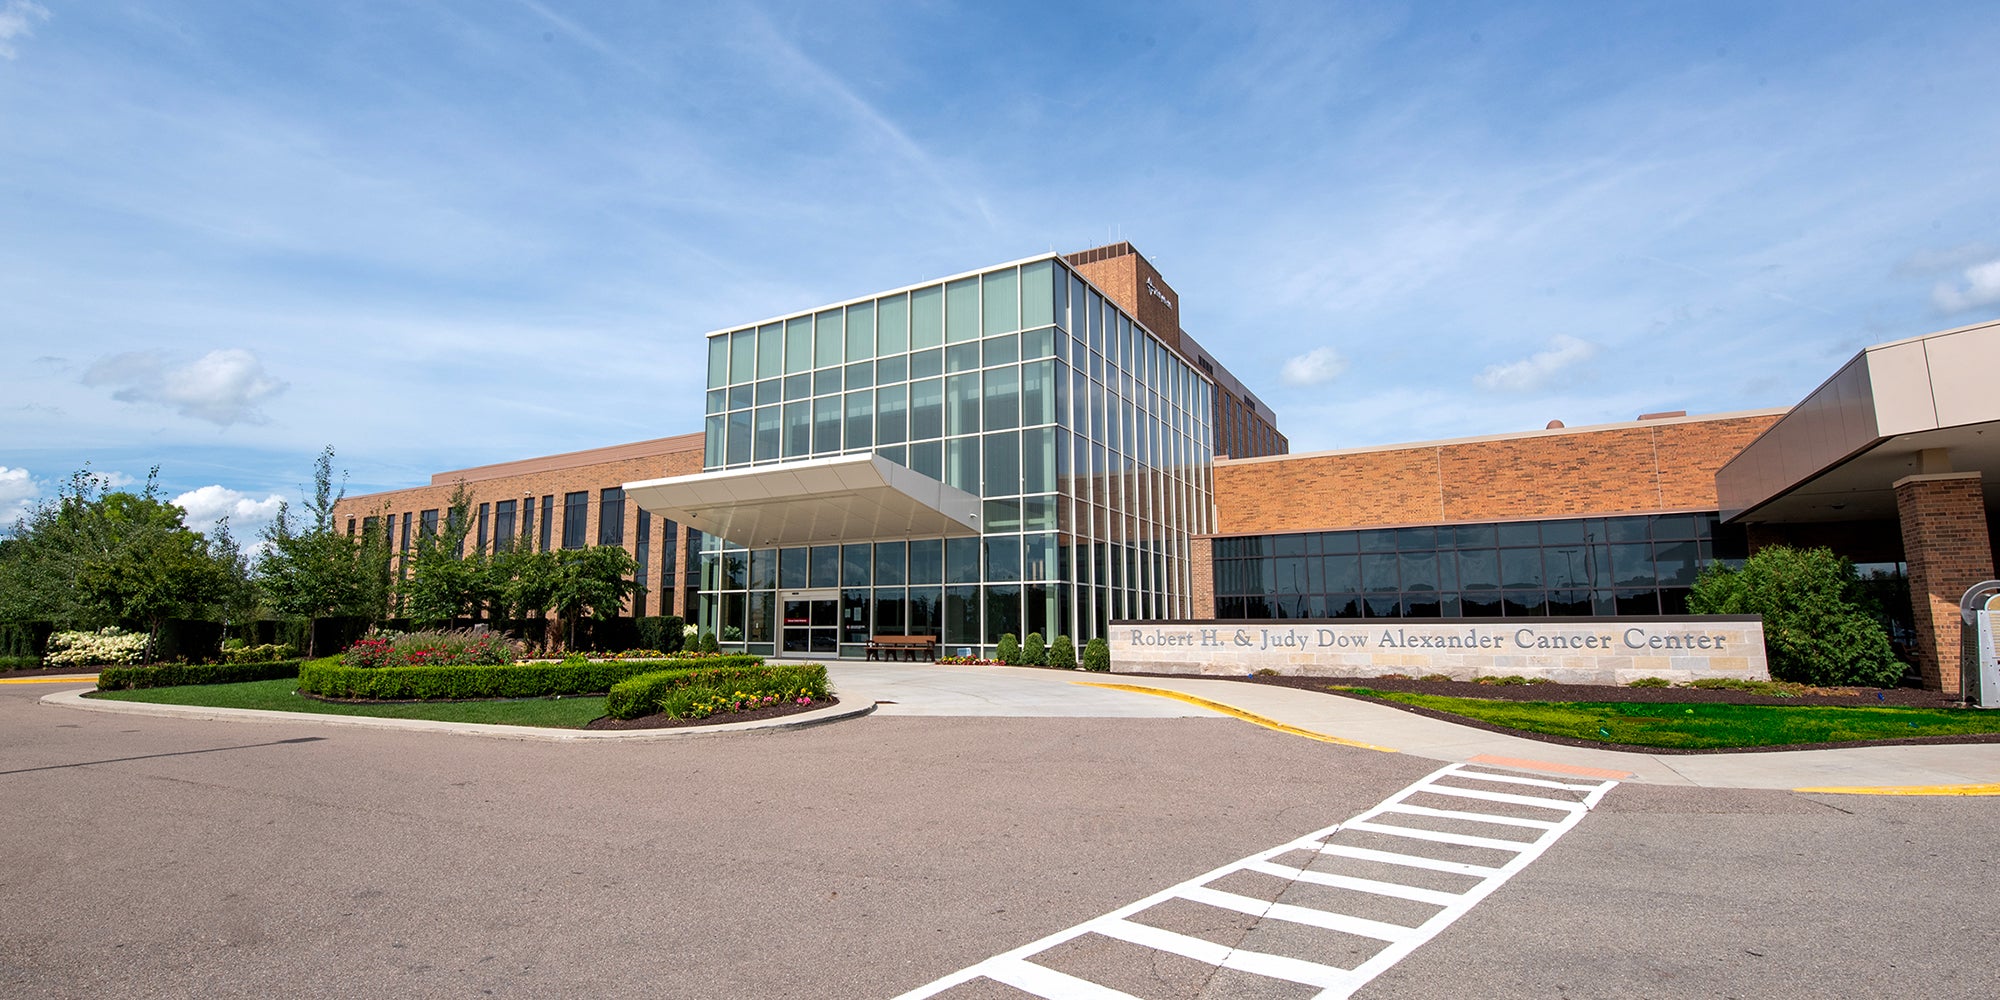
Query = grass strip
x=281 y=696
x=1703 y=726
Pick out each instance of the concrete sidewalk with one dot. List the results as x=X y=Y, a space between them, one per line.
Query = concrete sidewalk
x=925 y=689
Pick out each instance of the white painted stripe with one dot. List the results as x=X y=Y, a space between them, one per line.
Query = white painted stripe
x=1513 y=779
x=1208 y=952
x=1013 y=968
x=1367 y=885
x=1294 y=914
x=1408 y=860
x=1534 y=801
x=1471 y=817
x=1047 y=983
x=1440 y=837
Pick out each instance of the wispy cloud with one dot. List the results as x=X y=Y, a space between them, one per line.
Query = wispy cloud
x=1315 y=367
x=17 y=20
x=1538 y=370
x=588 y=38
x=222 y=387
x=1980 y=287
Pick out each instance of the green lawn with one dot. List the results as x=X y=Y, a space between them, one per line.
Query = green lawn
x=1706 y=726
x=278 y=696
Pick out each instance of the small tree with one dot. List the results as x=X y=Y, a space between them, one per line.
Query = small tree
x=309 y=570
x=1817 y=626
x=1062 y=653
x=1097 y=655
x=446 y=582
x=1034 y=652
x=1009 y=650
x=597 y=579
x=708 y=643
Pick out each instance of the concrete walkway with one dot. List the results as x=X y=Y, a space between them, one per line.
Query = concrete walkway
x=926 y=689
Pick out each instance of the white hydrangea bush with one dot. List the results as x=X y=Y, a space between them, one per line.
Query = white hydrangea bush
x=107 y=646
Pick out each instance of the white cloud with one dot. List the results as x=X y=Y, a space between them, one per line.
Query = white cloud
x=222 y=387
x=247 y=515
x=1537 y=370
x=17 y=20
x=18 y=492
x=1315 y=367
x=1981 y=288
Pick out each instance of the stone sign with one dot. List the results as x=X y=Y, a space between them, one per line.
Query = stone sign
x=1569 y=650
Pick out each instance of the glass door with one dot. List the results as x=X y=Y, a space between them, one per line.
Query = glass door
x=812 y=623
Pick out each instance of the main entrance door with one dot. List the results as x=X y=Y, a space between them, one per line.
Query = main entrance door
x=812 y=622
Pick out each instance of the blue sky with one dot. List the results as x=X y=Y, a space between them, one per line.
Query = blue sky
x=439 y=234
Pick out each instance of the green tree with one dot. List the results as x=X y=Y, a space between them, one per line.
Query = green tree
x=309 y=570
x=93 y=557
x=1818 y=628
x=445 y=581
x=597 y=579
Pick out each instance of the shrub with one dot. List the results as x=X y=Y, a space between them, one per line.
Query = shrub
x=1009 y=650
x=109 y=645
x=453 y=648
x=661 y=632
x=180 y=674
x=1817 y=628
x=1034 y=651
x=1435 y=677
x=694 y=693
x=513 y=680
x=1097 y=655
x=1650 y=682
x=269 y=652
x=708 y=643
x=1062 y=653
x=20 y=662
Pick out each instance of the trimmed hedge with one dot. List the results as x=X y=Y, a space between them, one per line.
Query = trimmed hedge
x=672 y=691
x=181 y=674
x=20 y=662
x=513 y=680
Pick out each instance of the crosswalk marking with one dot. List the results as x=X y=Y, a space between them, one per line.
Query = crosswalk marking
x=1015 y=968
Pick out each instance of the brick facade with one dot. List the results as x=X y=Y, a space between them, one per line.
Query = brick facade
x=1201 y=572
x=589 y=472
x=1946 y=545
x=1641 y=467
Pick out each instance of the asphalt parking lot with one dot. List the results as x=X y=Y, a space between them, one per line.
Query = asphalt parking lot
x=161 y=857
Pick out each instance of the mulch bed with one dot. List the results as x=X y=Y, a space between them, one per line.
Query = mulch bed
x=1850 y=697
x=1844 y=697
x=47 y=672
x=663 y=722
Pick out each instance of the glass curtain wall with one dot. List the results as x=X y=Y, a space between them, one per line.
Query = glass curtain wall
x=1087 y=439
x=1638 y=565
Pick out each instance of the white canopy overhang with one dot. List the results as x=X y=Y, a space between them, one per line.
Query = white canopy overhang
x=819 y=501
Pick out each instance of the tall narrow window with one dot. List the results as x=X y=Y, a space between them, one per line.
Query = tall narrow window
x=611 y=516
x=669 y=534
x=479 y=539
x=548 y=521
x=503 y=526
x=528 y=523
x=642 y=550
x=576 y=511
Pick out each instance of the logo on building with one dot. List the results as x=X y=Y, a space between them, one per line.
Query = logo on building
x=1154 y=291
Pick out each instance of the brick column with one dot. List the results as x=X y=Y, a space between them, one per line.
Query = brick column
x=1947 y=548
x=1201 y=567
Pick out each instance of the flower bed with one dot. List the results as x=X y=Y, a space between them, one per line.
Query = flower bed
x=106 y=645
x=513 y=680
x=704 y=691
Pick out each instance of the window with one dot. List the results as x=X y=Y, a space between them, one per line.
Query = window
x=611 y=516
x=527 y=523
x=479 y=540
x=576 y=510
x=429 y=524
x=642 y=551
x=548 y=521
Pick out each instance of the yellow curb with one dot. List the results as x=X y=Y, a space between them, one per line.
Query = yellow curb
x=1906 y=789
x=92 y=679
x=1250 y=717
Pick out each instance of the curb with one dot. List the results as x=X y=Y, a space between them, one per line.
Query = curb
x=852 y=706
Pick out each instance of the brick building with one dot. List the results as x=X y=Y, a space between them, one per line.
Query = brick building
x=1041 y=446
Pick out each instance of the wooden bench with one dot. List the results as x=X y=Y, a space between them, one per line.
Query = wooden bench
x=908 y=645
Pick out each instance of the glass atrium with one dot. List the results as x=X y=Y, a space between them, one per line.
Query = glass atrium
x=1085 y=439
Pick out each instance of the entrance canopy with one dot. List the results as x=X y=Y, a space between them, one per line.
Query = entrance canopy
x=846 y=498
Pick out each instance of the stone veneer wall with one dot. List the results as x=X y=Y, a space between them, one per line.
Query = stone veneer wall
x=1574 y=651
